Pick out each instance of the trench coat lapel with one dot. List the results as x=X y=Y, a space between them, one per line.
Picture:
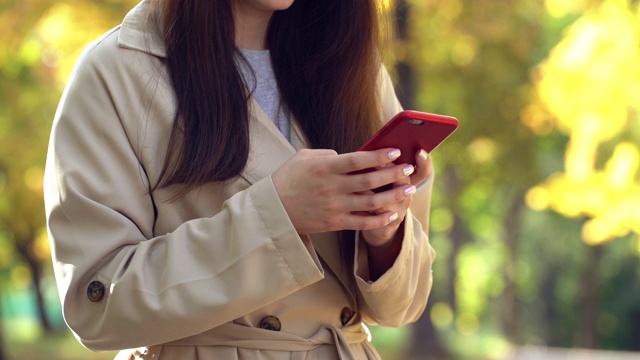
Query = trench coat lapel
x=269 y=150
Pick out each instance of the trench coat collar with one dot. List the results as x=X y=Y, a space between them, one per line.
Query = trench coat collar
x=141 y=30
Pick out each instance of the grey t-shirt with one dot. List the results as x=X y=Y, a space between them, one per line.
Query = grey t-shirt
x=260 y=79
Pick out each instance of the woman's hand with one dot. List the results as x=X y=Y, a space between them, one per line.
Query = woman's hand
x=384 y=235
x=384 y=243
x=323 y=191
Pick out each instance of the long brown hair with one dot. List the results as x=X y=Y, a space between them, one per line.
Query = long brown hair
x=325 y=59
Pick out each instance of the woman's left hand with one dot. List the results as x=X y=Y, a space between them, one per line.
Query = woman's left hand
x=383 y=236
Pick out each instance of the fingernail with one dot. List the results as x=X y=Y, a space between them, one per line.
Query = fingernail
x=423 y=155
x=393 y=217
x=393 y=154
x=408 y=170
x=409 y=191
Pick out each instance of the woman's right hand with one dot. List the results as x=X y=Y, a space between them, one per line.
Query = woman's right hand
x=323 y=191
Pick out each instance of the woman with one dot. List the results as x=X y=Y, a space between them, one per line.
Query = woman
x=192 y=211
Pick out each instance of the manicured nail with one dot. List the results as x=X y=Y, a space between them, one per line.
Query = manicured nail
x=423 y=155
x=409 y=191
x=408 y=170
x=393 y=217
x=393 y=154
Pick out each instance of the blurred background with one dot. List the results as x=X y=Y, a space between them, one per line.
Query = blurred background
x=536 y=211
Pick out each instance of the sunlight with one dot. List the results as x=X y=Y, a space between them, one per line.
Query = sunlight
x=482 y=150
x=62 y=42
x=41 y=247
x=538 y=198
x=635 y=246
x=55 y=27
x=33 y=178
x=20 y=277
x=560 y=8
x=464 y=51
x=467 y=324
x=441 y=220
x=589 y=84
x=441 y=315
x=451 y=9
x=622 y=168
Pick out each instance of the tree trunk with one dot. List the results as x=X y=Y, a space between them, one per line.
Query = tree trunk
x=406 y=87
x=425 y=342
x=587 y=336
x=459 y=234
x=508 y=309
x=552 y=335
x=3 y=356
x=36 y=270
x=36 y=277
x=635 y=330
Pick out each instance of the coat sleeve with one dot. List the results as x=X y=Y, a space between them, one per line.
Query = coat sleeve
x=122 y=287
x=400 y=295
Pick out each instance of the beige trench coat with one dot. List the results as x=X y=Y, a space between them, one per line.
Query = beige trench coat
x=220 y=273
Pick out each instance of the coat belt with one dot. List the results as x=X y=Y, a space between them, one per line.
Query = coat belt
x=240 y=336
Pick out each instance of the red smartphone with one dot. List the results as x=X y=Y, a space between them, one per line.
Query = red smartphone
x=411 y=131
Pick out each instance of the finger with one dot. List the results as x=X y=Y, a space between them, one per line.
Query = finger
x=361 y=160
x=368 y=221
x=403 y=181
x=311 y=153
x=391 y=200
x=387 y=187
x=377 y=178
x=423 y=167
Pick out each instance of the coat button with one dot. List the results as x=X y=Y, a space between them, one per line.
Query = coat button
x=345 y=316
x=271 y=323
x=95 y=291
